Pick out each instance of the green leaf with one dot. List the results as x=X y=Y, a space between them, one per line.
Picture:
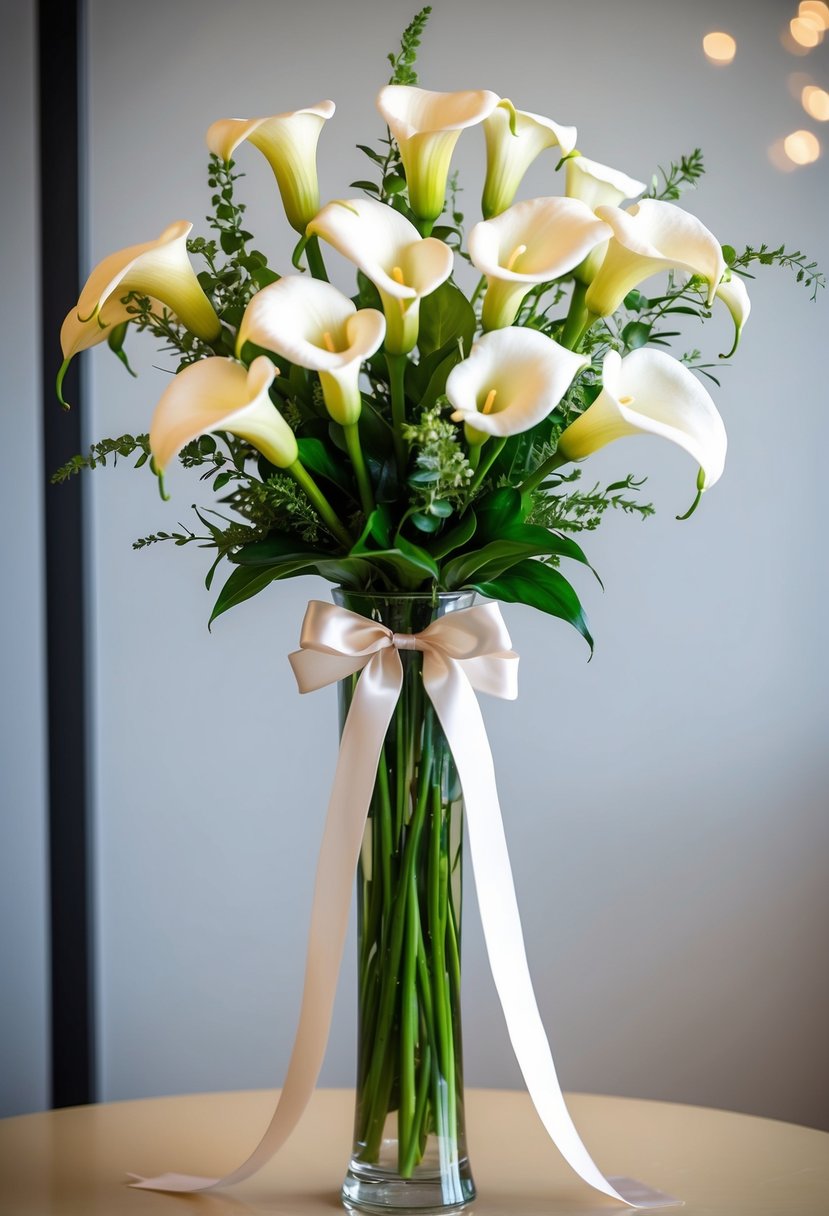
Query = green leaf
x=424 y=523
x=456 y=537
x=318 y=459
x=499 y=555
x=371 y=187
x=242 y=584
x=417 y=556
x=539 y=586
x=499 y=511
x=636 y=334
x=445 y=316
x=635 y=301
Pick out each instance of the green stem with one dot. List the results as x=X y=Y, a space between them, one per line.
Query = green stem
x=492 y=450
x=437 y=875
x=313 y=256
x=323 y=506
x=397 y=377
x=479 y=286
x=355 y=451
x=579 y=319
x=408 y=1031
x=549 y=465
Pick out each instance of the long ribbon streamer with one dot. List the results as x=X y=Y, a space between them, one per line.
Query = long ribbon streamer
x=463 y=652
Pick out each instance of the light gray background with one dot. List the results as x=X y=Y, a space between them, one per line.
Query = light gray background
x=665 y=804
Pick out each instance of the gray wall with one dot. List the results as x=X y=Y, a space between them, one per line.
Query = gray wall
x=665 y=804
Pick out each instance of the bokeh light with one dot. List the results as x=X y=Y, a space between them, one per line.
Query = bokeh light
x=806 y=32
x=816 y=12
x=720 y=48
x=802 y=147
x=815 y=102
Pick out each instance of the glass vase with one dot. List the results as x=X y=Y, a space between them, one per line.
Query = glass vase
x=409 y=1149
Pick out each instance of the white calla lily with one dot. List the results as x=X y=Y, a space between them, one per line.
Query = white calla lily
x=217 y=394
x=514 y=138
x=648 y=237
x=512 y=379
x=733 y=294
x=426 y=126
x=651 y=393
x=390 y=251
x=598 y=185
x=159 y=269
x=531 y=242
x=289 y=143
x=312 y=324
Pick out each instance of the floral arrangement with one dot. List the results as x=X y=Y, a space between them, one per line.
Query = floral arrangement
x=415 y=436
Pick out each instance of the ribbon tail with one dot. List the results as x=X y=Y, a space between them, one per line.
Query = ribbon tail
x=460 y=715
x=365 y=729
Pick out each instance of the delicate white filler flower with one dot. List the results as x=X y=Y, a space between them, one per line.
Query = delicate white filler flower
x=426 y=126
x=531 y=242
x=650 y=393
x=514 y=138
x=217 y=394
x=648 y=237
x=513 y=379
x=390 y=251
x=289 y=142
x=312 y=324
x=159 y=269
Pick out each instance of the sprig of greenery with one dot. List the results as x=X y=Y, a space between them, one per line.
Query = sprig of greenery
x=98 y=454
x=442 y=472
x=680 y=176
x=403 y=69
x=806 y=272
x=173 y=337
x=582 y=511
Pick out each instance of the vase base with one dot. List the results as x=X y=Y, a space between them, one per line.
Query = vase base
x=373 y=1190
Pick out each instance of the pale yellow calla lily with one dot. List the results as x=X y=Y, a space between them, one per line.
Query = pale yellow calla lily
x=159 y=269
x=426 y=126
x=514 y=138
x=733 y=294
x=531 y=242
x=312 y=324
x=217 y=394
x=651 y=393
x=512 y=380
x=596 y=185
x=648 y=237
x=390 y=251
x=289 y=143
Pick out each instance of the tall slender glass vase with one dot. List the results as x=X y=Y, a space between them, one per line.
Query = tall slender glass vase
x=409 y=1149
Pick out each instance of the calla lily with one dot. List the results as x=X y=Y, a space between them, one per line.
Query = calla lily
x=312 y=324
x=648 y=237
x=512 y=380
x=650 y=393
x=514 y=138
x=426 y=126
x=159 y=269
x=531 y=242
x=289 y=143
x=598 y=185
x=733 y=294
x=390 y=251
x=217 y=394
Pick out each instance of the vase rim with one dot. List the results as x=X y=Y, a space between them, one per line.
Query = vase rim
x=431 y=596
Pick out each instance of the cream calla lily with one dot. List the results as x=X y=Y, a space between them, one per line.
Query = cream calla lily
x=531 y=242
x=512 y=380
x=650 y=393
x=289 y=143
x=648 y=237
x=312 y=324
x=426 y=126
x=217 y=394
x=598 y=185
x=390 y=251
x=514 y=138
x=733 y=294
x=159 y=269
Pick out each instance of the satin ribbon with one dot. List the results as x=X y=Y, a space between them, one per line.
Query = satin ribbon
x=463 y=652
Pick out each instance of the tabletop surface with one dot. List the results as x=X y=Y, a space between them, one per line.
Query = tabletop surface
x=74 y=1162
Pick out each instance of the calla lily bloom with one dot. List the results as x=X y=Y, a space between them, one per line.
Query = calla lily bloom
x=598 y=185
x=389 y=250
x=512 y=380
x=426 y=126
x=733 y=294
x=648 y=237
x=159 y=269
x=312 y=324
x=289 y=143
x=514 y=138
x=217 y=394
x=531 y=242
x=650 y=393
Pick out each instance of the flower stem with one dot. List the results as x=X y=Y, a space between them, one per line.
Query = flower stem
x=323 y=506
x=579 y=319
x=493 y=450
x=355 y=451
x=535 y=479
x=313 y=256
x=397 y=377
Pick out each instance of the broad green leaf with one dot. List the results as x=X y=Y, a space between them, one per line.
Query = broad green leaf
x=445 y=316
x=319 y=459
x=636 y=334
x=456 y=537
x=498 y=511
x=540 y=587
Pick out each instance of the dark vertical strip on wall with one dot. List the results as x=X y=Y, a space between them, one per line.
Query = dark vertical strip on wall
x=59 y=85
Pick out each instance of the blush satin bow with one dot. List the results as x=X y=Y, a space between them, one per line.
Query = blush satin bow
x=463 y=651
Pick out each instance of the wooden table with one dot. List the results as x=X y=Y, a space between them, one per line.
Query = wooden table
x=73 y=1162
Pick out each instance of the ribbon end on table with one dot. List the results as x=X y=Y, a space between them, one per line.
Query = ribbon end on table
x=183 y=1183
x=640 y=1195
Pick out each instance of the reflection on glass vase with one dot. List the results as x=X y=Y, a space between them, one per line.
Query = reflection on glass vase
x=409 y=1142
